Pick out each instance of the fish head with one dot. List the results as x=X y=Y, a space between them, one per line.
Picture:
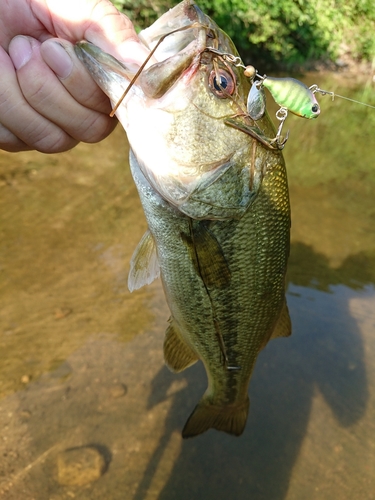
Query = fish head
x=175 y=109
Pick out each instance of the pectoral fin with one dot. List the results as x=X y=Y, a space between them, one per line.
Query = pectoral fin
x=207 y=256
x=177 y=354
x=144 y=265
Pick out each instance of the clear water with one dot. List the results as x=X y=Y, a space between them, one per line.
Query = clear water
x=81 y=358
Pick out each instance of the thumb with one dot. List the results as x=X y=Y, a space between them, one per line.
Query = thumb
x=98 y=22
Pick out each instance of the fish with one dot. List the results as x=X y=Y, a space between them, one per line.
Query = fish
x=216 y=202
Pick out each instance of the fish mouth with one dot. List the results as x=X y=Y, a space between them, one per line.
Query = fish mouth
x=180 y=42
x=175 y=41
x=111 y=75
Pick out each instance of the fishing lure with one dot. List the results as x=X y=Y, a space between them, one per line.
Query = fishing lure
x=256 y=102
x=293 y=95
x=290 y=94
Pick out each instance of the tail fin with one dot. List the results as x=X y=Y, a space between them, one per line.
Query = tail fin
x=230 y=419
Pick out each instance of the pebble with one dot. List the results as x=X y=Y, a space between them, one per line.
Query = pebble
x=26 y=414
x=62 y=312
x=79 y=466
x=118 y=390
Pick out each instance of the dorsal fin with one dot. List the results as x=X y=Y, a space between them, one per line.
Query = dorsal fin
x=283 y=327
x=144 y=265
x=177 y=354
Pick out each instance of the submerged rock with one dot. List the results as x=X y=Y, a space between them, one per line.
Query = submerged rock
x=79 y=466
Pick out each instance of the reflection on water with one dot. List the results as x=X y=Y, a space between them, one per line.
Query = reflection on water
x=81 y=358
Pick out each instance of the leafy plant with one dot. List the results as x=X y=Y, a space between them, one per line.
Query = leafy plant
x=283 y=32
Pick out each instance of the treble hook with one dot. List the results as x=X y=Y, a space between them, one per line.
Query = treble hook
x=281 y=115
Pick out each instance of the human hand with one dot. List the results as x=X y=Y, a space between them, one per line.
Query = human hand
x=48 y=102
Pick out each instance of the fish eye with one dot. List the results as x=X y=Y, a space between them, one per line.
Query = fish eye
x=221 y=83
x=315 y=108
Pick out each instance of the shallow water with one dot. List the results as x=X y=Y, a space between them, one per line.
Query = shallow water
x=81 y=357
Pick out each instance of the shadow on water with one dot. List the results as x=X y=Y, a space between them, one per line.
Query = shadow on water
x=325 y=354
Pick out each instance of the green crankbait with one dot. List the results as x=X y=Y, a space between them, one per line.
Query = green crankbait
x=293 y=95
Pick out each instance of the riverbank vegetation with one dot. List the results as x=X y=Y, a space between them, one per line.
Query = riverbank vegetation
x=288 y=33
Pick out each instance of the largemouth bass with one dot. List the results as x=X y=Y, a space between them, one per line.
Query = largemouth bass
x=215 y=196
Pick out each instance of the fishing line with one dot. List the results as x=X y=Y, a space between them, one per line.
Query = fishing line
x=314 y=88
x=352 y=100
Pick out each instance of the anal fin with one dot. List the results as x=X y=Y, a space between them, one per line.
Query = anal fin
x=144 y=265
x=177 y=354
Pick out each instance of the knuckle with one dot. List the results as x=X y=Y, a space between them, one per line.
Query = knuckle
x=36 y=92
x=96 y=127
x=56 y=144
x=10 y=142
x=47 y=138
x=96 y=100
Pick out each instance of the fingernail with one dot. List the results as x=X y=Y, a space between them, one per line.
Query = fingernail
x=20 y=51
x=57 y=58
